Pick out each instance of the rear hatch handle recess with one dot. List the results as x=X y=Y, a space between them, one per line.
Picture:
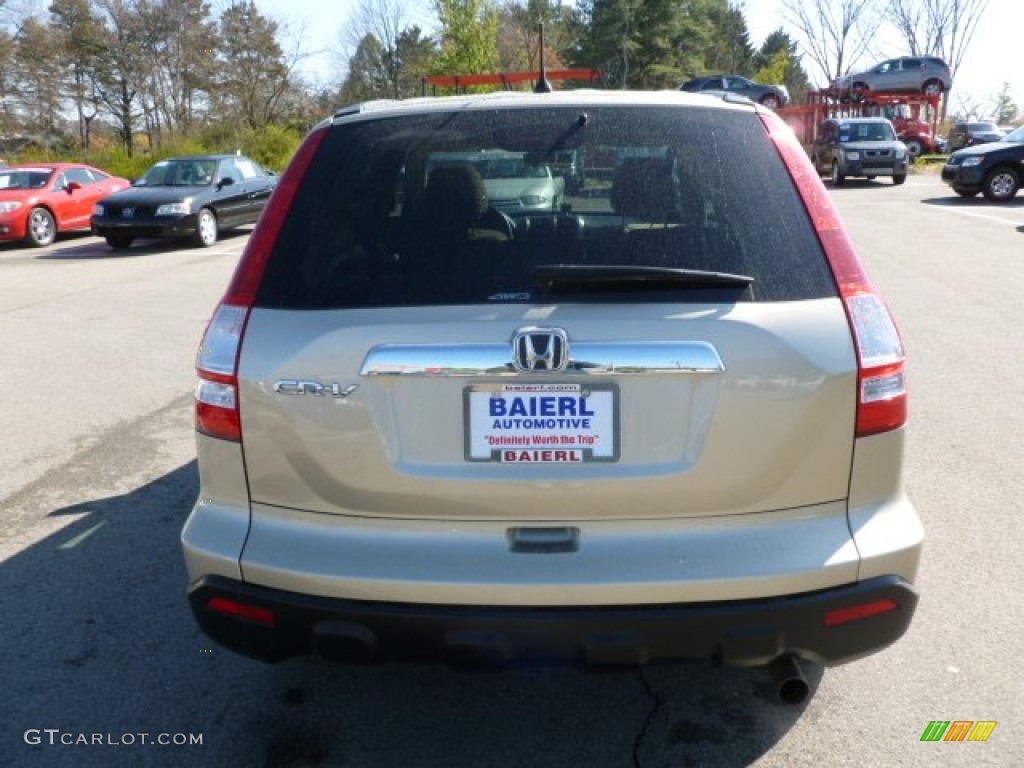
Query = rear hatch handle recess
x=542 y=541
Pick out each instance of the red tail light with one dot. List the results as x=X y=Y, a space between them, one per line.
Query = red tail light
x=881 y=385
x=217 y=365
x=254 y=613
x=217 y=412
x=857 y=612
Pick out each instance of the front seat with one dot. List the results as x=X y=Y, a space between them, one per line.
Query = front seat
x=456 y=207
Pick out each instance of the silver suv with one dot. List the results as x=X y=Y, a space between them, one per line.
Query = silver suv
x=665 y=420
x=929 y=75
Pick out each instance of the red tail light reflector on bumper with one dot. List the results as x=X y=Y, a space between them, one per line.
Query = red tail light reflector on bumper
x=239 y=610
x=857 y=612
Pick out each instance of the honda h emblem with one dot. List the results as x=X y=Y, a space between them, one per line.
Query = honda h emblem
x=540 y=349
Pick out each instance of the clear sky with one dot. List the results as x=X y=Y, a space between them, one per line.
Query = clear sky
x=992 y=58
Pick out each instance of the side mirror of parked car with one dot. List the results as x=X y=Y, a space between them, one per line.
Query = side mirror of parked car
x=227 y=181
x=73 y=186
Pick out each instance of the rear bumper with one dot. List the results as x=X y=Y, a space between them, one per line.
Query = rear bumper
x=746 y=633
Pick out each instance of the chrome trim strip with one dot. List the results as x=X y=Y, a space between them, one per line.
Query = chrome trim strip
x=604 y=358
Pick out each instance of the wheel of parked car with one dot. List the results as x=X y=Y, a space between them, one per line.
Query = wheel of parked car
x=914 y=148
x=932 y=88
x=770 y=100
x=119 y=242
x=41 y=230
x=206 y=228
x=1001 y=184
x=899 y=178
x=838 y=177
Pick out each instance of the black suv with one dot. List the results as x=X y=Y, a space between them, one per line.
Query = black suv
x=993 y=168
x=859 y=146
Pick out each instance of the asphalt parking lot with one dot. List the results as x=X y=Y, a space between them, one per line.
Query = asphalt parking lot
x=102 y=661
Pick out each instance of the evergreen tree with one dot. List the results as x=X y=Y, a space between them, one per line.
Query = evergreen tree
x=731 y=53
x=79 y=37
x=780 y=53
x=367 y=73
x=38 y=81
x=253 y=74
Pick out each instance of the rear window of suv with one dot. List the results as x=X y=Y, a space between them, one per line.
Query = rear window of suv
x=476 y=206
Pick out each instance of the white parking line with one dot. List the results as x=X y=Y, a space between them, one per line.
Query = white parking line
x=987 y=216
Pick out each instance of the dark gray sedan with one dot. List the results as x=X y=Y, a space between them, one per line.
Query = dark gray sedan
x=195 y=196
x=771 y=96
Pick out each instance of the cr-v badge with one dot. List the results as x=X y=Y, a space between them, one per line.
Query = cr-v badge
x=300 y=387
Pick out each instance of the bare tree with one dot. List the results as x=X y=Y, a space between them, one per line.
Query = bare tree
x=182 y=41
x=120 y=76
x=835 y=33
x=938 y=27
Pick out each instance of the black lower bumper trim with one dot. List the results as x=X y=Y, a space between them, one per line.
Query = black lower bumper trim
x=746 y=633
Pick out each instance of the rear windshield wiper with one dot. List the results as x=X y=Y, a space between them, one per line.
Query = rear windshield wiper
x=562 y=278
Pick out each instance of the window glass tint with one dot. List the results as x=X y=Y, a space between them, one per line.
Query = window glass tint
x=866 y=132
x=246 y=168
x=24 y=179
x=1016 y=136
x=81 y=175
x=465 y=207
x=187 y=172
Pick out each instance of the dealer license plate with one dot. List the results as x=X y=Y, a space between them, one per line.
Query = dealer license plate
x=542 y=423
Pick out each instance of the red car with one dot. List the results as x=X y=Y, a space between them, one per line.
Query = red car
x=37 y=201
